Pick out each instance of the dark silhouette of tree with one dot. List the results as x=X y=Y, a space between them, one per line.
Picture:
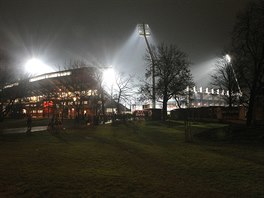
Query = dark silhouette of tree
x=172 y=73
x=6 y=71
x=101 y=97
x=6 y=77
x=248 y=52
x=223 y=78
x=123 y=89
x=144 y=90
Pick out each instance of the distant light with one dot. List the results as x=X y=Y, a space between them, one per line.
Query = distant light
x=11 y=85
x=109 y=76
x=52 y=75
x=141 y=27
x=228 y=58
x=35 y=67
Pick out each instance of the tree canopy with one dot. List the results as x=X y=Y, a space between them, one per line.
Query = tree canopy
x=172 y=73
x=248 y=52
x=223 y=78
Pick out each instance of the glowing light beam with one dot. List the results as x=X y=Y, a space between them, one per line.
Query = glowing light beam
x=109 y=76
x=35 y=66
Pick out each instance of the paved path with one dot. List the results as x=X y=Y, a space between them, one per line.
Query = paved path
x=23 y=130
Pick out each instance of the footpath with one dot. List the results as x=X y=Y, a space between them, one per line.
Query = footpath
x=22 y=130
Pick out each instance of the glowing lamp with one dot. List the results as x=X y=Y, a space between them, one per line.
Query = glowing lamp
x=228 y=58
x=143 y=29
x=109 y=76
x=35 y=67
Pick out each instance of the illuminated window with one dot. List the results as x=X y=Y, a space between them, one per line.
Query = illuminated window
x=11 y=85
x=46 y=76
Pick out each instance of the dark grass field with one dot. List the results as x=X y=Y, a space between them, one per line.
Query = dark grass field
x=137 y=159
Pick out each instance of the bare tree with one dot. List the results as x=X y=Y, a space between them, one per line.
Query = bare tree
x=7 y=76
x=223 y=78
x=123 y=90
x=144 y=91
x=248 y=51
x=172 y=73
x=5 y=69
x=98 y=76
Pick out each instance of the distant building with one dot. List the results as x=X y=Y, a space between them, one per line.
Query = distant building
x=196 y=97
x=211 y=104
x=204 y=97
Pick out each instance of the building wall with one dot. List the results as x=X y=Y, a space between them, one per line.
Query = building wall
x=216 y=113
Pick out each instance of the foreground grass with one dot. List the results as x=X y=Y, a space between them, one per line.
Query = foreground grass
x=132 y=160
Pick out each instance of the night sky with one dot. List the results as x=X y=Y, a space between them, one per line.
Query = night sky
x=104 y=32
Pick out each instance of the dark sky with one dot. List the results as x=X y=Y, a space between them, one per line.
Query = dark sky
x=104 y=30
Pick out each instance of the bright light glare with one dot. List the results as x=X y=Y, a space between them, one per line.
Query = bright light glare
x=228 y=58
x=141 y=28
x=109 y=76
x=36 y=67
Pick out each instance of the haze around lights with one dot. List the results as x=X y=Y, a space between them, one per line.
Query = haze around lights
x=35 y=66
x=109 y=76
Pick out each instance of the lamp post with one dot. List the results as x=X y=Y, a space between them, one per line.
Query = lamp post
x=144 y=30
x=228 y=59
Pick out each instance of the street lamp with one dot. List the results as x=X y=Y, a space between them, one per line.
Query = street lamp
x=228 y=60
x=144 y=30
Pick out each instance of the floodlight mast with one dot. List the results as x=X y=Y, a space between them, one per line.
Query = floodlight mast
x=228 y=59
x=144 y=30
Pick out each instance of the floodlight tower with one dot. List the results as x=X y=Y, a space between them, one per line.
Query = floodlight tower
x=144 y=30
x=228 y=60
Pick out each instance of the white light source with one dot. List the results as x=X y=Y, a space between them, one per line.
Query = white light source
x=228 y=58
x=143 y=29
x=35 y=66
x=109 y=76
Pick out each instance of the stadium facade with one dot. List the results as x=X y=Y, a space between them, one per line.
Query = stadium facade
x=69 y=93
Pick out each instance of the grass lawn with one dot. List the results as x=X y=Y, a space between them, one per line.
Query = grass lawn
x=143 y=159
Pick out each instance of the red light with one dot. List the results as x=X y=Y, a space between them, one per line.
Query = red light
x=47 y=104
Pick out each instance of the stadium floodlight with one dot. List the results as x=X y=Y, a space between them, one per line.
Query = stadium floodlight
x=109 y=75
x=35 y=66
x=143 y=29
x=228 y=60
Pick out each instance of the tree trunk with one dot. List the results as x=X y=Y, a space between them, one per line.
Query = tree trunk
x=251 y=107
x=164 y=107
x=230 y=100
x=118 y=104
x=103 y=108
